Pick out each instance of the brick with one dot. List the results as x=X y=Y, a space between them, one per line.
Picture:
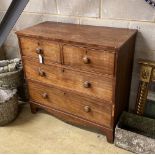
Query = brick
x=87 y=8
x=50 y=6
x=108 y=23
x=49 y=18
x=42 y=6
x=34 y=6
x=27 y=20
x=62 y=19
x=128 y=10
x=146 y=35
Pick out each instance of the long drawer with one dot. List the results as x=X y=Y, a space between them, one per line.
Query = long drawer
x=71 y=103
x=93 y=85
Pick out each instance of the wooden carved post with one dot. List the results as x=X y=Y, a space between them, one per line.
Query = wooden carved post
x=147 y=74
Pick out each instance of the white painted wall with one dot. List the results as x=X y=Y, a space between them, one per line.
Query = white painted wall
x=135 y=14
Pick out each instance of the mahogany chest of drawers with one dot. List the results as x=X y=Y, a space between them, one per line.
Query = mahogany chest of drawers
x=80 y=74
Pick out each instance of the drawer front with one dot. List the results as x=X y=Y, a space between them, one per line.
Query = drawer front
x=90 y=60
x=95 y=86
x=48 y=50
x=70 y=103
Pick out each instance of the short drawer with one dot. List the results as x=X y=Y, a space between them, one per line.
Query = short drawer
x=93 y=85
x=48 y=50
x=89 y=59
x=71 y=103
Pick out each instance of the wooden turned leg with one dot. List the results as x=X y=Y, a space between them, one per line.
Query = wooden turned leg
x=33 y=108
x=110 y=136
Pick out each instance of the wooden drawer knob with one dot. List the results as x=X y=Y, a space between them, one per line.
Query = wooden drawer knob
x=86 y=60
x=39 y=50
x=86 y=84
x=41 y=73
x=45 y=95
x=87 y=109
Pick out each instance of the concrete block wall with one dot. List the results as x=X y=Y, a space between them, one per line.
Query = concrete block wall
x=135 y=14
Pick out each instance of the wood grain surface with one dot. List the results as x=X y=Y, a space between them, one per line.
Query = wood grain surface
x=99 y=61
x=49 y=50
x=105 y=37
x=71 y=80
x=85 y=75
x=71 y=103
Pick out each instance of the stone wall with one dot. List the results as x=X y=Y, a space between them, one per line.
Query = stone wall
x=135 y=14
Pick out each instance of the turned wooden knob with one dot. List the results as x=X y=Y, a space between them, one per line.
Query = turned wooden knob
x=39 y=50
x=87 y=84
x=86 y=60
x=45 y=95
x=41 y=73
x=87 y=109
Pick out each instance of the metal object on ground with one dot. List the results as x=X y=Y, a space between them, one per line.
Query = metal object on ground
x=135 y=133
x=8 y=106
x=147 y=75
x=10 y=18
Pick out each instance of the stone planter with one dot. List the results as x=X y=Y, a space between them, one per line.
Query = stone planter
x=11 y=80
x=135 y=133
x=8 y=106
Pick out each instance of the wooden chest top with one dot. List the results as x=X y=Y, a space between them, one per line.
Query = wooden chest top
x=102 y=37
